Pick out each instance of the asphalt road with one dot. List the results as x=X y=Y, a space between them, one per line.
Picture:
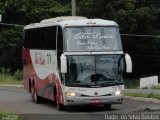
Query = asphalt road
x=19 y=101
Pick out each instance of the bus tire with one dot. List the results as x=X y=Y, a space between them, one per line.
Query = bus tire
x=108 y=106
x=35 y=97
x=60 y=107
x=32 y=92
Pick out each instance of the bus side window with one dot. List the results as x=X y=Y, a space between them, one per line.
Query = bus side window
x=43 y=41
x=34 y=37
x=51 y=38
x=27 y=39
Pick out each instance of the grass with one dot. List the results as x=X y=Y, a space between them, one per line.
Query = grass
x=8 y=79
x=150 y=95
x=12 y=78
x=9 y=116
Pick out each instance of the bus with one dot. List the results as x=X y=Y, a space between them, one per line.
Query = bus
x=74 y=60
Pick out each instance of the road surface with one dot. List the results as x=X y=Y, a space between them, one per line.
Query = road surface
x=19 y=101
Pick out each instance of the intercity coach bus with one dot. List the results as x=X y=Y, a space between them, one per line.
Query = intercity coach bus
x=74 y=61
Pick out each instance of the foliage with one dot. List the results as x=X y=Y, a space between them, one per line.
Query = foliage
x=131 y=83
x=29 y=11
x=10 y=116
x=10 y=48
x=18 y=75
x=6 y=77
x=23 y=12
x=133 y=17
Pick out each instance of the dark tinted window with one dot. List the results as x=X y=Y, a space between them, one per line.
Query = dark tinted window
x=40 y=38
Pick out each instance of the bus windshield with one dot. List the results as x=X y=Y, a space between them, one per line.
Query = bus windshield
x=94 y=70
x=92 y=39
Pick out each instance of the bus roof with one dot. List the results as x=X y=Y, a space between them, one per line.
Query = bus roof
x=71 y=21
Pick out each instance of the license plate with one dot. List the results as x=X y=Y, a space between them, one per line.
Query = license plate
x=95 y=101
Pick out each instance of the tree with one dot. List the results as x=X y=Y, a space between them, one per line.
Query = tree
x=30 y=11
x=23 y=12
x=10 y=48
x=133 y=17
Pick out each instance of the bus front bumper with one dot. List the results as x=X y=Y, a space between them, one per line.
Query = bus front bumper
x=69 y=101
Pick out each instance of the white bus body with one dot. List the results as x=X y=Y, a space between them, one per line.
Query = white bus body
x=75 y=61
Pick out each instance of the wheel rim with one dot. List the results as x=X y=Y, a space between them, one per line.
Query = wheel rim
x=35 y=97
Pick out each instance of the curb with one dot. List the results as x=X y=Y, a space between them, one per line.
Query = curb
x=7 y=85
x=152 y=100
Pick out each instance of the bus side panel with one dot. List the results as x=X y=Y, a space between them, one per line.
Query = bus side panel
x=45 y=87
x=46 y=74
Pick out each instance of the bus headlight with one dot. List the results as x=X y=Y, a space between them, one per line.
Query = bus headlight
x=119 y=92
x=70 y=94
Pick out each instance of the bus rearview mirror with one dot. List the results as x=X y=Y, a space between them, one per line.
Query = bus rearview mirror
x=63 y=64
x=128 y=63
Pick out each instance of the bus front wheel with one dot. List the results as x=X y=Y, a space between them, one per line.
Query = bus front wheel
x=108 y=106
